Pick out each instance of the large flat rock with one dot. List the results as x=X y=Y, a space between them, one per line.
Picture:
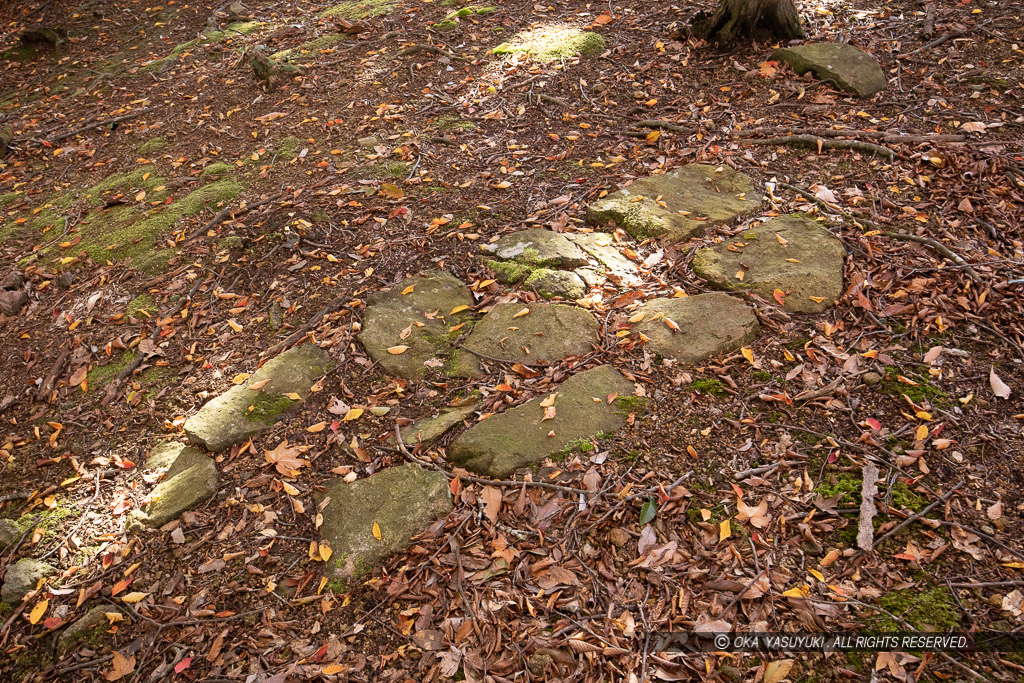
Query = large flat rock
x=794 y=255
x=850 y=69
x=402 y=501
x=610 y=260
x=191 y=479
x=587 y=404
x=708 y=325
x=533 y=333
x=678 y=205
x=241 y=412
x=430 y=429
x=21 y=578
x=537 y=248
x=417 y=313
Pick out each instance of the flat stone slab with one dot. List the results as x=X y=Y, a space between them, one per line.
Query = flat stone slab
x=850 y=69
x=794 y=255
x=534 y=333
x=240 y=412
x=430 y=429
x=556 y=284
x=417 y=314
x=402 y=501
x=91 y=627
x=585 y=405
x=601 y=247
x=537 y=248
x=191 y=479
x=708 y=325
x=21 y=578
x=678 y=205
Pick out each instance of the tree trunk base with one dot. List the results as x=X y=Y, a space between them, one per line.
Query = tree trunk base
x=737 y=20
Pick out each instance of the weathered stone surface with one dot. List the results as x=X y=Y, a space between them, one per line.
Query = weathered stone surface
x=9 y=533
x=12 y=294
x=163 y=455
x=788 y=253
x=402 y=501
x=368 y=142
x=601 y=246
x=90 y=627
x=429 y=429
x=519 y=436
x=850 y=69
x=709 y=195
x=190 y=480
x=429 y=302
x=551 y=284
x=709 y=324
x=21 y=578
x=537 y=248
x=240 y=412
x=549 y=43
x=549 y=332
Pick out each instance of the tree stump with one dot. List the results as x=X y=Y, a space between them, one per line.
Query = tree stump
x=737 y=20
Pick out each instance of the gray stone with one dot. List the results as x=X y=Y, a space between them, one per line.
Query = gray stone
x=12 y=293
x=91 y=626
x=551 y=284
x=850 y=69
x=549 y=332
x=191 y=480
x=601 y=246
x=368 y=143
x=9 y=533
x=21 y=578
x=789 y=253
x=163 y=455
x=678 y=205
x=871 y=378
x=429 y=429
x=709 y=325
x=426 y=312
x=240 y=412
x=537 y=248
x=519 y=436
x=402 y=501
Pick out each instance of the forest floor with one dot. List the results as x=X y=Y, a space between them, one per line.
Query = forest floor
x=732 y=502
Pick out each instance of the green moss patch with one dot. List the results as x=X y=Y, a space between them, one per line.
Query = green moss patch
x=932 y=611
x=709 y=387
x=355 y=9
x=152 y=146
x=100 y=375
x=553 y=42
x=312 y=47
x=140 y=303
x=921 y=389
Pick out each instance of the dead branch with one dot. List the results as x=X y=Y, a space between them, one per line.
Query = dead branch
x=305 y=329
x=869 y=134
x=105 y=122
x=935 y=503
x=665 y=125
x=823 y=143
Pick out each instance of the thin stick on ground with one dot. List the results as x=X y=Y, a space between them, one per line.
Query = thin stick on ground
x=935 y=503
x=823 y=143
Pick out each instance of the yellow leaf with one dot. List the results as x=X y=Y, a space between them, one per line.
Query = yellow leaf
x=235 y=326
x=637 y=317
x=549 y=401
x=240 y=378
x=333 y=669
x=38 y=611
x=318 y=427
x=748 y=353
x=525 y=311
x=140 y=196
x=816 y=299
x=739 y=274
x=1014 y=565
x=398 y=350
x=325 y=551
x=293 y=396
x=256 y=386
x=409 y=290
x=923 y=415
x=724 y=530
x=353 y=414
x=376 y=531
x=778 y=670
x=922 y=433
x=134 y=597
x=289 y=489
x=392 y=191
x=459 y=309
x=816 y=574
x=797 y=592
x=653 y=136
x=782 y=240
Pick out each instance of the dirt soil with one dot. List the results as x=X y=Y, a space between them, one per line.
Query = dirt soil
x=158 y=199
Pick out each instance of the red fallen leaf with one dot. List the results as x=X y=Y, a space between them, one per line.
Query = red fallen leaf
x=182 y=665
x=120 y=506
x=125 y=464
x=53 y=622
x=873 y=423
x=833 y=456
x=780 y=296
x=455 y=486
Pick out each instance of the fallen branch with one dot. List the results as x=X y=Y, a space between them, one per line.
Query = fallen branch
x=305 y=329
x=869 y=134
x=906 y=237
x=665 y=125
x=419 y=47
x=935 y=503
x=105 y=122
x=763 y=469
x=45 y=391
x=232 y=212
x=823 y=143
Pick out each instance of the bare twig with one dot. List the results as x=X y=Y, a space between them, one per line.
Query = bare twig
x=823 y=143
x=935 y=503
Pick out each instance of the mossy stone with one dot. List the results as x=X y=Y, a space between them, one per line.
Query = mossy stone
x=22 y=577
x=709 y=325
x=679 y=204
x=546 y=333
x=551 y=284
x=550 y=43
x=850 y=69
x=401 y=501
x=537 y=248
x=92 y=627
x=9 y=533
x=240 y=412
x=790 y=253
x=427 y=430
x=422 y=305
x=584 y=407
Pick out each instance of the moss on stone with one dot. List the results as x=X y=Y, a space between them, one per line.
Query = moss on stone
x=709 y=387
x=509 y=272
x=631 y=404
x=453 y=123
x=932 y=610
x=553 y=42
x=446 y=25
x=143 y=302
x=152 y=146
x=266 y=407
x=359 y=9
x=218 y=168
